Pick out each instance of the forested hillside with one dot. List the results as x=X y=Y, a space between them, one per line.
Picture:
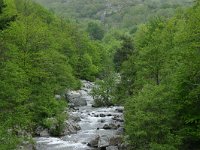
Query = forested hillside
x=114 y=13
x=142 y=55
x=41 y=56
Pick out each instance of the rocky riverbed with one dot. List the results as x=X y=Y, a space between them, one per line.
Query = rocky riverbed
x=87 y=128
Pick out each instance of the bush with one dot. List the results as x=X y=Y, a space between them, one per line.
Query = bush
x=149 y=120
x=103 y=92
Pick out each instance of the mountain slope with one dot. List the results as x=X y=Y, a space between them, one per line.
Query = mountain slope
x=114 y=13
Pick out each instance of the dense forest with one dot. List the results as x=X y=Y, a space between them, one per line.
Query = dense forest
x=41 y=55
x=114 y=13
x=142 y=54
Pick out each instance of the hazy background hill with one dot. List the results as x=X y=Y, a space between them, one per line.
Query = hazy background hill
x=114 y=13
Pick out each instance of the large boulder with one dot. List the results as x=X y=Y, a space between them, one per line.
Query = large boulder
x=70 y=127
x=94 y=142
x=103 y=141
x=76 y=99
x=74 y=117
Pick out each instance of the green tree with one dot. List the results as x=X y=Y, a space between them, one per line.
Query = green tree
x=95 y=31
x=5 y=19
x=124 y=52
x=164 y=114
x=103 y=92
x=151 y=53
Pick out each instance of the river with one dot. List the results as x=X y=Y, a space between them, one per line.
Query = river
x=102 y=123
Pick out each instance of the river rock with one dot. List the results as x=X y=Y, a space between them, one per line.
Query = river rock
x=87 y=84
x=118 y=118
x=120 y=131
x=106 y=127
x=74 y=117
x=102 y=120
x=44 y=133
x=109 y=126
x=116 y=140
x=76 y=98
x=94 y=142
x=103 y=141
x=70 y=127
x=102 y=115
x=120 y=110
x=40 y=131
x=112 y=148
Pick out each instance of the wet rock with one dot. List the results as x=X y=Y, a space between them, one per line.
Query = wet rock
x=102 y=115
x=109 y=115
x=120 y=131
x=106 y=127
x=87 y=84
x=118 y=118
x=116 y=140
x=96 y=115
x=109 y=126
x=94 y=142
x=112 y=148
x=44 y=133
x=83 y=92
x=70 y=127
x=120 y=110
x=75 y=98
x=102 y=121
x=75 y=118
x=84 y=143
x=40 y=131
x=103 y=141
x=71 y=105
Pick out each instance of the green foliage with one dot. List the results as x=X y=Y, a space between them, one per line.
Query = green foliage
x=103 y=92
x=122 y=54
x=161 y=84
x=149 y=117
x=41 y=56
x=95 y=31
x=5 y=18
x=127 y=85
x=55 y=125
x=114 y=13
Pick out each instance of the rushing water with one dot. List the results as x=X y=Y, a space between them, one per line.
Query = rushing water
x=91 y=126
